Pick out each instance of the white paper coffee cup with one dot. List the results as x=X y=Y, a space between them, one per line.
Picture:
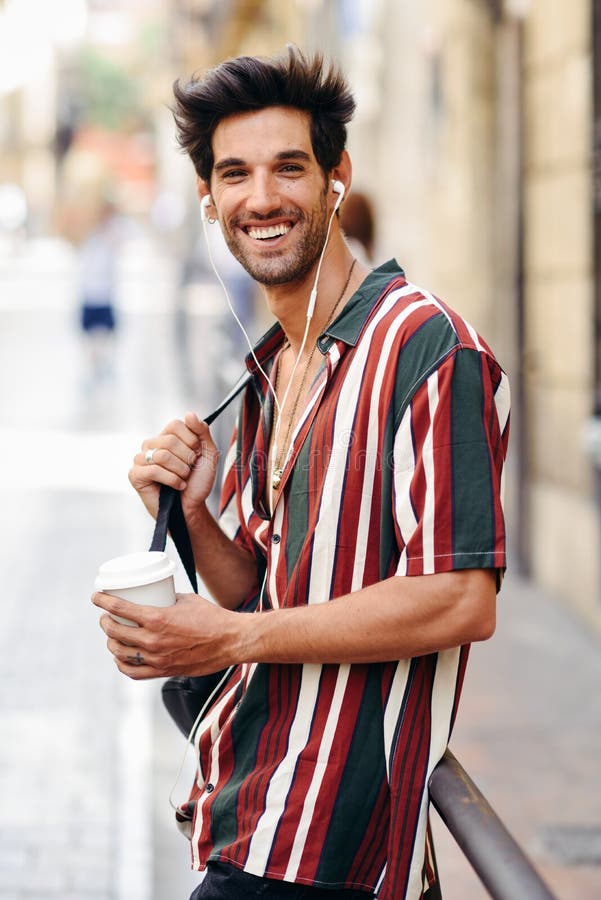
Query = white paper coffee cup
x=145 y=578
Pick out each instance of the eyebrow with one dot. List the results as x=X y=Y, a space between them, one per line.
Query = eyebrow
x=226 y=163
x=293 y=154
x=283 y=154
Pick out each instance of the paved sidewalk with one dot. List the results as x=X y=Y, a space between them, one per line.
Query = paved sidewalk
x=529 y=734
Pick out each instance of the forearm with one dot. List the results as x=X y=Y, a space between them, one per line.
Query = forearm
x=395 y=619
x=228 y=571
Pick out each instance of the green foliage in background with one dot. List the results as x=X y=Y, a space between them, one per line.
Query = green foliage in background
x=107 y=94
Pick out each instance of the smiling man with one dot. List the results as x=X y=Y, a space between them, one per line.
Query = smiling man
x=361 y=521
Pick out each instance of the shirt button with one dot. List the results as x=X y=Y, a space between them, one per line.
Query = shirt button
x=275 y=539
x=209 y=788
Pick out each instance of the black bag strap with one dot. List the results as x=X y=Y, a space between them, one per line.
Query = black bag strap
x=170 y=516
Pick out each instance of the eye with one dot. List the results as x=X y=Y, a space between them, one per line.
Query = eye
x=233 y=175
x=291 y=169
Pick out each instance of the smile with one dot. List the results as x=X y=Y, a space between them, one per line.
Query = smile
x=270 y=231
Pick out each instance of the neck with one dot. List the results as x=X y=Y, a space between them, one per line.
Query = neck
x=289 y=302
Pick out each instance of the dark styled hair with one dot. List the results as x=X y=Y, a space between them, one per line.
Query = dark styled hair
x=248 y=83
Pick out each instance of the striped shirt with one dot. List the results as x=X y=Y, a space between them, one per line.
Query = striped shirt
x=317 y=774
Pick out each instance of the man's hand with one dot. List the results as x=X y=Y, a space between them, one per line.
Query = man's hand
x=193 y=637
x=185 y=458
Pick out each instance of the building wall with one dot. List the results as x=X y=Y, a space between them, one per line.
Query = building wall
x=443 y=165
x=435 y=149
x=564 y=530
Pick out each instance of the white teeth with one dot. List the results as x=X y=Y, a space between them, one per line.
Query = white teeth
x=271 y=231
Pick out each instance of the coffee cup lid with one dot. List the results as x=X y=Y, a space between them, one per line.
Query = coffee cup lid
x=134 y=569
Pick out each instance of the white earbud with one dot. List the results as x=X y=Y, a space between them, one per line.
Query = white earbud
x=204 y=205
x=338 y=188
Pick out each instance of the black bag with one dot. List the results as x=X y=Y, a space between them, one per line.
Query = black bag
x=184 y=696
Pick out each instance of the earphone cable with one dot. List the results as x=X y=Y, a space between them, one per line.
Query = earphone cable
x=190 y=738
x=199 y=717
x=234 y=313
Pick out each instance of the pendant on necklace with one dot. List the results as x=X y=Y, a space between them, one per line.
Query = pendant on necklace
x=276 y=478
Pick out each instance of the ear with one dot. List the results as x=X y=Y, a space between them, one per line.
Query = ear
x=343 y=172
x=203 y=190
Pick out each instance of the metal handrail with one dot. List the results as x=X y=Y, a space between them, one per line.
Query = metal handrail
x=496 y=858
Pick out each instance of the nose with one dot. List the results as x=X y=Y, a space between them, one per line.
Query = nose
x=263 y=196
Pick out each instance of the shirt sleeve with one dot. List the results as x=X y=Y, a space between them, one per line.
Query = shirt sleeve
x=449 y=456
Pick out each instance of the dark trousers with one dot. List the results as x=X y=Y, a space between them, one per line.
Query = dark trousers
x=225 y=882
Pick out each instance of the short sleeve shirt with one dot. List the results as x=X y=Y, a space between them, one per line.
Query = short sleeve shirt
x=317 y=774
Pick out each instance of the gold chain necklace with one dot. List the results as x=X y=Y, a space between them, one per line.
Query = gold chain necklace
x=278 y=466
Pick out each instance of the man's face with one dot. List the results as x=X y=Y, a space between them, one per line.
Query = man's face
x=270 y=193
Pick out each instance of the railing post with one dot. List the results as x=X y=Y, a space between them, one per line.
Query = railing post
x=494 y=855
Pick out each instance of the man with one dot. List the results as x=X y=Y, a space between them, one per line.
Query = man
x=361 y=520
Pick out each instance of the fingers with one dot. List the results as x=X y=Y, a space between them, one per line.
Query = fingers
x=144 y=652
x=125 y=655
x=134 y=612
x=189 y=436
x=134 y=650
x=139 y=659
x=179 y=441
x=135 y=671
x=196 y=425
x=192 y=431
x=175 y=452
x=167 y=466
x=115 y=606
x=148 y=619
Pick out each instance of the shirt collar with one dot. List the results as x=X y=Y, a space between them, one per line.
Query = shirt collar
x=346 y=327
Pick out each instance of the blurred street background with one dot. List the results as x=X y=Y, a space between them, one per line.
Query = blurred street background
x=477 y=153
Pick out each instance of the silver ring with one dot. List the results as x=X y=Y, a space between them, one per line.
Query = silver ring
x=149 y=455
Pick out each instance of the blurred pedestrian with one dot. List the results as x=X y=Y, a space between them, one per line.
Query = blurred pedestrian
x=357 y=223
x=98 y=271
x=361 y=521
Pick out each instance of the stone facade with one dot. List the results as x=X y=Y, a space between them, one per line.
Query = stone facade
x=559 y=344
